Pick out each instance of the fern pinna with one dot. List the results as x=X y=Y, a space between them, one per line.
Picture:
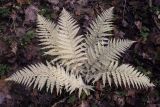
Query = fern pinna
x=80 y=59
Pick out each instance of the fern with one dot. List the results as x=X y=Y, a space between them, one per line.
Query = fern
x=100 y=54
x=123 y=74
x=77 y=58
x=71 y=48
x=47 y=34
x=98 y=30
x=53 y=76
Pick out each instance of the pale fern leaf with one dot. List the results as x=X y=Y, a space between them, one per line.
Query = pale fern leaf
x=40 y=75
x=99 y=54
x=123 y=75
x=100 y=27
x=47 y=35
x=71 y=46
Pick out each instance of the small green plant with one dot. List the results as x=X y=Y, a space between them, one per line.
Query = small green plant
x=79 y=60
x=4 y=12
x=144 y=32
x=28 y=37
x=46 y=12
x=3 y=69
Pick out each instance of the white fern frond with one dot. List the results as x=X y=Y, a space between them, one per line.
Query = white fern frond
x=40 y=75
x=94 y=54
x=47 y=34
x=100 y=54
x=100 y=27
x=123 y=75
x=115 y=49
x=71 y=46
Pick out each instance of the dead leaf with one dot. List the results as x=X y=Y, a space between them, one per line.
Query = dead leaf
x=4 y=91
x=3 y=47
x=20 y=31
x=31 y=52
x=138 y=24
x=121 y=101
x=124 y=23
x=131 y=93
x=157 y=2
x=31 y=14
x=130 y=98
x=155 y=38
x=55 y=2
x=23 y=1
x=82 y=2
x=118 y=33
x=2 y=97
x=84 y=104
x=13 y=15
x=152 y=105
x=14 y=47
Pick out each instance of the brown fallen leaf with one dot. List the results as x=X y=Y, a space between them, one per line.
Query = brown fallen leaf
x=138 y=24
x=20 y=31
x=14 y=47
x=118 y=33
x=4 y=92
x=84 y=104
x=13 y=16
x=54 y=2
x=23 y=1
x=155 y=38
x=130 y=98
x=31 y=52
x=82 y=2
x=30 y=14
x=3 y=47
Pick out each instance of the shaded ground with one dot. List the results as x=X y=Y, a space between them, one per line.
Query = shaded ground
x=137 y=20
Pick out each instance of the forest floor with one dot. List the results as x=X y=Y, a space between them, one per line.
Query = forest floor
x=138 y=20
